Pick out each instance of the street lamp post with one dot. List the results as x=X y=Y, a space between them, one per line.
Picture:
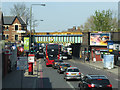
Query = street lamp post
x=34 y=28
x=31 y=19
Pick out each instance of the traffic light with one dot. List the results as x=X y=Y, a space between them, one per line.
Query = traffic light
x=88 y=49
x=32 y=51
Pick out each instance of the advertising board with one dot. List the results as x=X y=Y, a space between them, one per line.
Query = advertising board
x=108 y=61
x=99 y=39
x=26 y=43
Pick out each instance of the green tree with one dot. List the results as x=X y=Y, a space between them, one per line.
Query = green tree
x=102 y=21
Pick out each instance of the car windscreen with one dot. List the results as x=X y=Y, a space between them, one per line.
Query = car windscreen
x=73 y=70
x=60 y=61
x=65 y=65
x=100 y=81
x=52 y=51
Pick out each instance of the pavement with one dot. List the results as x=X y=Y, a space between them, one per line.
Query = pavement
x=20 y=79
x=98 y=65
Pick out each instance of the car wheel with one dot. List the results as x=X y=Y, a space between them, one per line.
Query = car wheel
x=66 y=79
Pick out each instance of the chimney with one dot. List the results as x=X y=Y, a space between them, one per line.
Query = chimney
x=74 y=27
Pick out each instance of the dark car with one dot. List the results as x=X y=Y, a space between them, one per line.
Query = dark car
x=95 y=82
x=56 y=63
x=62 y=67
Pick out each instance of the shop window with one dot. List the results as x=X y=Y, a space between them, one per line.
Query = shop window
x=101 y=55
x=97 y=52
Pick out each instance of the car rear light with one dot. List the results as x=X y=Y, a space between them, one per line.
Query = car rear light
x=60 y=66
x=79 y=73
x=99 y=79
x=67 y=73
x=70 y=66
x=91 y=85
x=109 y=85
x=46 y=56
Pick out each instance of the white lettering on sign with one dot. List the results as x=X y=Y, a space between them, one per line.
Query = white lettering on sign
x=31 y=59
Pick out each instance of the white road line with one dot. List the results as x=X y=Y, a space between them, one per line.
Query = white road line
x=117 y=79
x=70 y=85
x=34 y=84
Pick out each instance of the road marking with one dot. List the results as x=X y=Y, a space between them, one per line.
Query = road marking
x=70 y=85
x=34 y=84
x=41 y=75
x=97 y=68
x=117 y=79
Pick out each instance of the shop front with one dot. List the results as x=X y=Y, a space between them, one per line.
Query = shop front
x=97 y=53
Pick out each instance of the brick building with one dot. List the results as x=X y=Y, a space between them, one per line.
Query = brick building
x=13 y=28
x=1 y=23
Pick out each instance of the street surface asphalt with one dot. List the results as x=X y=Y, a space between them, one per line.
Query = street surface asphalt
x=50 y=78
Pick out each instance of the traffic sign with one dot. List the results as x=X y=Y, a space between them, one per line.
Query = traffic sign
x=7 y=52
x=21 y=49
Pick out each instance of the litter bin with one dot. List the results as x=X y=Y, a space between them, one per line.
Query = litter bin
x=108 y=61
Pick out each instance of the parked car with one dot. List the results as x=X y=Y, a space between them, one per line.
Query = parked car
x=62 y=67
x=56 y=63
x=95 y=82
x=72 y=73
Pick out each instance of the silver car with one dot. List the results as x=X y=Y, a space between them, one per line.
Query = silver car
x=72 y=73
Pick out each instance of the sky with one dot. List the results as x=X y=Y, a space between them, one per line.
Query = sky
x=60 y=16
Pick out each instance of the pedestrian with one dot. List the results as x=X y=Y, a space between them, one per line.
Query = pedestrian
x=88 y=59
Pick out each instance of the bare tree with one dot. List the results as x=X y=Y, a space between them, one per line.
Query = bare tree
x=89 y=25
x=21 y=10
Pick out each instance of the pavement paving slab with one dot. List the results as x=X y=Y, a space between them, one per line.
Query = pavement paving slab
x=98 y=65
x=18 y=79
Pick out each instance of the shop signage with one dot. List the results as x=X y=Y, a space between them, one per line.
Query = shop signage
x=110 y=50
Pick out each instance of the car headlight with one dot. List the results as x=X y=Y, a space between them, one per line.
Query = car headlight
x=61 y=68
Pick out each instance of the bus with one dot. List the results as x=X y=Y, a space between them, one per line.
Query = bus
x=52 y=53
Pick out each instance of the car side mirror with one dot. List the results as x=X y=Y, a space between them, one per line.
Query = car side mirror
x=82 y=75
